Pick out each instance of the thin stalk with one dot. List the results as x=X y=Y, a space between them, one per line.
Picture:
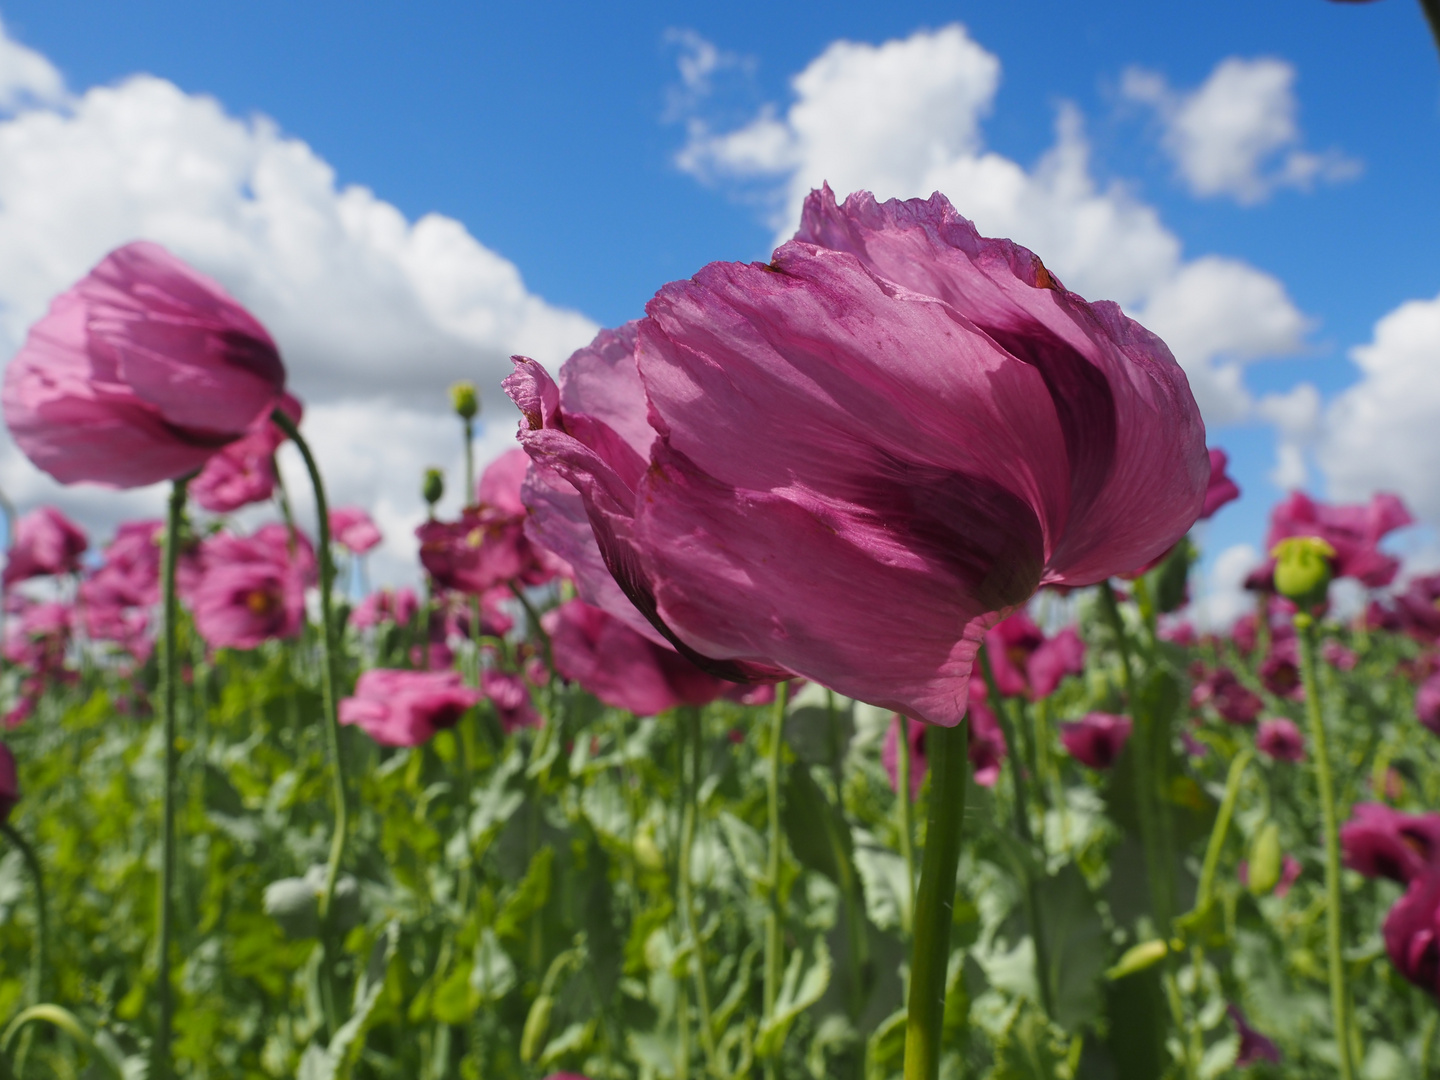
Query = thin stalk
x=1314 y=713
x=849 y=887
x=330 y=682
x=1022 y=826
x=1222 y=826
x=533 y=618
x=773 y=958
x=162 y=1066
x=906 y=813
x=930 y=957
x=691 y=788
x=39 y=950
x=470 y=496
x=1177 y=1014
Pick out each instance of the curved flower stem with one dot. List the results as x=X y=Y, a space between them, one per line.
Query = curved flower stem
x=773 y=958
x=930 y=951
x=1314 y=713
x=691 y=787
x=162 y=1066
x=470 y=495
x=1222 y=826
x=330 y=681
x=1022 y=826
x=906 y=811
x=38 y=954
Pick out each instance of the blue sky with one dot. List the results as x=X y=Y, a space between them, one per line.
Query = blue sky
x=551 y=132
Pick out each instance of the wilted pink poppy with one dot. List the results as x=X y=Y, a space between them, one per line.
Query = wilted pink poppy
x=251 y=589
x=1221 y=489
x=511 y=698
x=1381 y=842
x=352 y=529
x=9 y=783
x=1427 y=703
x=894 y=431
x=622 y=668
x=1412 y=932
x=1353 y=531
x=1228 y=696
x=406 y=708
x=153 y=361
x=46 y=542
x=385 y=605
x=1026 y=662
x=1097 y=739
x=1280 y=739
x=1254 y=1047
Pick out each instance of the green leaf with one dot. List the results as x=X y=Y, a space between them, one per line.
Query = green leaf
x=817 y=832
x=887 y=896
x=493 y=974
x=529 y=896
x=335 y=1061
x=797 y=993
x=1077 y=944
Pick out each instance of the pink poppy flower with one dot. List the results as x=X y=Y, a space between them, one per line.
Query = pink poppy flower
x=896 y=430
x=986 y=749
x=511 y=698
x=1227 y=695
x=1353 y=531
x=406 y=708
x=1381 y=842
x=352 y=529
x=1280 y=739
x=9 y=783
x=1254 y=1047
x=1338 y=656
x=1417 y=610
x=1221 y=489
x=1026 y=662
x=1412 y=932
x=1427 y=703
x=1097 y=739
x=46 y=542
x=244 y=471
x=1280 y=670
x=154 y=361
x=251 y=589
x=890 y=755
x=38 y=640
x=622 y=668
x=397 y=606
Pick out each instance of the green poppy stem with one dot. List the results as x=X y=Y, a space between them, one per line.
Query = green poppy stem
x=39 y=958
x=773 y=944
x=948 y=752
x=904 y=805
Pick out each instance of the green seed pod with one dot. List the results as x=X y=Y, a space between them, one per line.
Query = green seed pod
x=466 y=400
x=1263 y=873
x=1138 y=958
x=1303 y=568
x=532 y=1041
x=433 y=487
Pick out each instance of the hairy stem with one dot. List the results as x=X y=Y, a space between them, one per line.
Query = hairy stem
x=690 y=785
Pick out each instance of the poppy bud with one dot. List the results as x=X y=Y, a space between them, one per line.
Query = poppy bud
x=537 y=1023
x=1265 y=860
x=1303 y=569
x=433 y=486
x=465 y=399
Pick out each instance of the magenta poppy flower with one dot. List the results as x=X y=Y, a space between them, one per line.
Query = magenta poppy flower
x=352 y=529
x=1416 y=611
x=46 y=542
x=39 y=639
x=1412 y=932
x=129 y=573
x=501 y=482
x=622 y=668
x=385 y=605
x=1381 y=842
x=486 y=548
x=1026 y=662
x=1097 y=739
x=890 y=754
x=9 y=783
x=406 y=708
x=251 y=589
x=244 y=471
x=1427 y=703
x=1353 y=531
x=153 y=361
x=1280 y=670
x=1338 y=656
x=1221 y=489
x=1228 y=696
x=511 y=698
x=1254 y=1047
x=1280 y=739
x=987 y=748
x=896 y=430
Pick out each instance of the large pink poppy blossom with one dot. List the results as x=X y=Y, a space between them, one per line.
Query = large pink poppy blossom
x=406 y=708
x=352 y=528
x=9 y=783
x=894 y=432
x=251 y=589
x=621 y=667
x=46 y=542
x=152 y=360
x=1026 y=662
x=1381 y=842
x=244 y=471
x=1354 y=531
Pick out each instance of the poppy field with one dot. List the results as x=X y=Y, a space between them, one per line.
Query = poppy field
x=812 y=691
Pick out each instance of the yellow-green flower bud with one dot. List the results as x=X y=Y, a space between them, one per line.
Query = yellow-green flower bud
x=1303 y=569
x=1263 y=872
x=433 y=486
x=537 y=1024
x=466 y=399
x=1137 y=958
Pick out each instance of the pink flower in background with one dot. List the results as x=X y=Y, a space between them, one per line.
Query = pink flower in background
x=500 y=484
x=622 y=668
x=987 y=744
x=385 y=605
x=1254 y=1047
x=896 y=430
x=1096 y=740
x=154 y=361
x=38 y=640
x=1026 y=662
x=1280 y=670
x=46 y=542
x=1221 y=489
x=1412 y=932
x=129 y=573
x=1338 y=656
x=352 y=529
x=1381 y=842
x=249 y=590
x=1417 y=609
x=1280 y=739
x=511 y=698
x=1353 y=531
x=406 y=708
x=1228 y=696
x=244 y=471
x=890 y=755
x=1427 y=703
x=9 y=783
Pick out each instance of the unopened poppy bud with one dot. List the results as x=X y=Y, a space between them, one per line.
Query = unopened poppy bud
x=1303 y=568
x=537 y=1023
x=465 y=399
x=433 y=486
x=1265 y=861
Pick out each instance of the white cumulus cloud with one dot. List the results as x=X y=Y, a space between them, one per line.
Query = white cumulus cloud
x=904 y=118
x=375 y=314
x=1237 y=134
